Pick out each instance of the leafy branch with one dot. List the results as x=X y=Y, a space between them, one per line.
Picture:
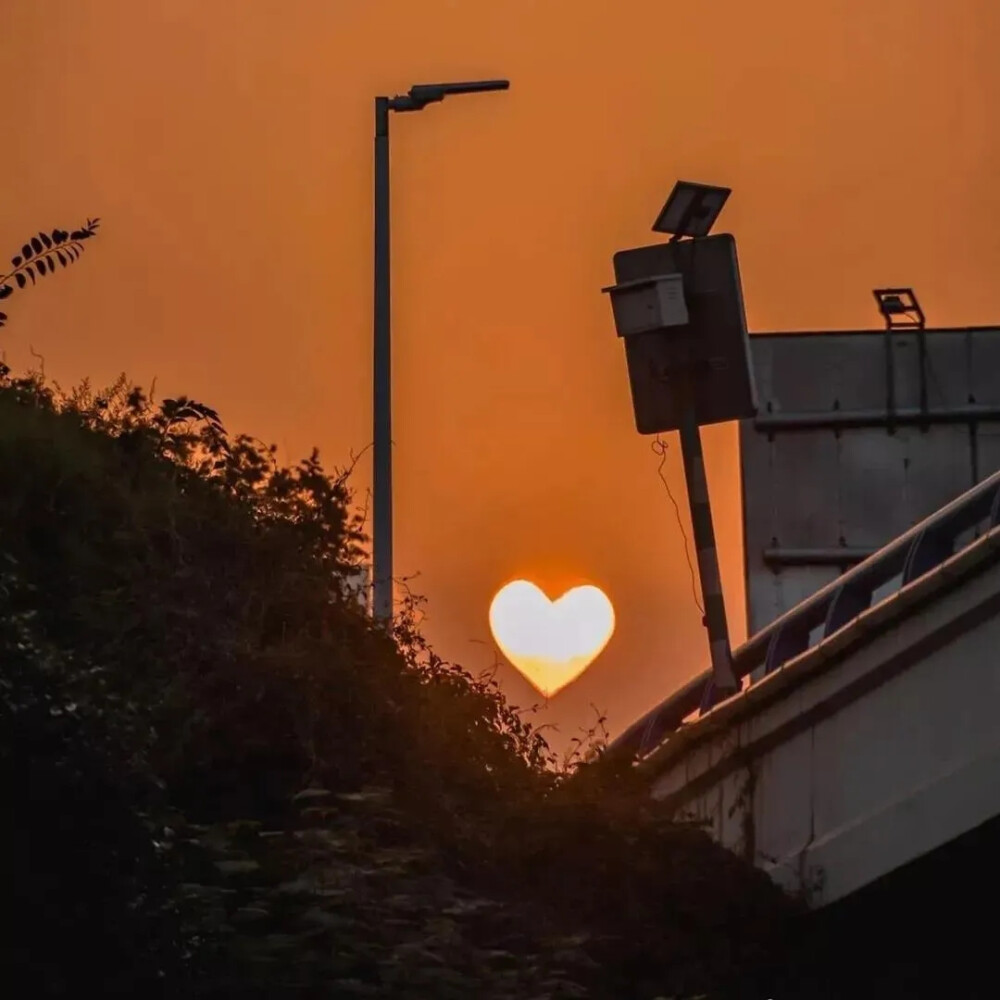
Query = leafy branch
x=40 y=255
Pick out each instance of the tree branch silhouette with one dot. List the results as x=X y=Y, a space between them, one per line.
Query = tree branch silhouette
x=40 y=255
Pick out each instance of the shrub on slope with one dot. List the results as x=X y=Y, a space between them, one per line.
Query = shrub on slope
x=198 y=592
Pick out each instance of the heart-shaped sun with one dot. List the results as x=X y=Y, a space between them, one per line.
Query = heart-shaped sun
x=551 y=642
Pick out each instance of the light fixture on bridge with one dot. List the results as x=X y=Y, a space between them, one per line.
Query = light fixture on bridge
x=691 y=210
x=899 y=308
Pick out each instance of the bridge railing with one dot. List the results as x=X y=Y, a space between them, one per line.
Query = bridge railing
x=912 y=555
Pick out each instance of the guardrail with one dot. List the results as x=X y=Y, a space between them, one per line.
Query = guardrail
x=912 y=555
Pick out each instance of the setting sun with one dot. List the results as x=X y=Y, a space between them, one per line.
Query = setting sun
x=551 y=642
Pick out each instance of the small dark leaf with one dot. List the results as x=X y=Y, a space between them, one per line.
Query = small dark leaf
x=40 y=264
x=27 y=252
x=45 y=240
x=50 y=261
x=62 y=257
x=79 y=234
x=16 y=261
x=31 y=273
x=6 y=290
x=36 y=244
x=19 y=278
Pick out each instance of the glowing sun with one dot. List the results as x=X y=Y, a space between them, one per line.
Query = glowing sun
x=551 y=642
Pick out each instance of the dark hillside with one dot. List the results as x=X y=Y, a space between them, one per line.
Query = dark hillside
x=222 y=780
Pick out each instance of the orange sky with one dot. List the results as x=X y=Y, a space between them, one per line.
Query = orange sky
x=227 y=148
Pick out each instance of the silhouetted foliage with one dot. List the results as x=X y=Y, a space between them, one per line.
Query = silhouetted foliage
x=41 y=253
x=263 y=793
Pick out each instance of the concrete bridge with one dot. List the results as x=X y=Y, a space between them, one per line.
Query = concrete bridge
x=866 y=734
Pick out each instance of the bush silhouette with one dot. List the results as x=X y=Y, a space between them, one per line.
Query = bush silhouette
x=263 y=793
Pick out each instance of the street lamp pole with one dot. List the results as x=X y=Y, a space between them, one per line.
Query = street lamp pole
x=382 y=378
x=418 y=97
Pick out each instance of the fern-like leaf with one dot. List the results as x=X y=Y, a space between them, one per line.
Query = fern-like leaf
x=41 y=252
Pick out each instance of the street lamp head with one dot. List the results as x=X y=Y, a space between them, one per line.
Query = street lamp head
x=422 y=94
x=436 y=91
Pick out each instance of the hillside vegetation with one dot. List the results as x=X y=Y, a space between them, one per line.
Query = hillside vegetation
x=221 y=779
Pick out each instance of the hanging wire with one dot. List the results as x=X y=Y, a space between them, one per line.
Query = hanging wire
x=659 y=447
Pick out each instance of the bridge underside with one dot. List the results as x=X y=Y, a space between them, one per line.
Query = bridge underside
x=925 y=930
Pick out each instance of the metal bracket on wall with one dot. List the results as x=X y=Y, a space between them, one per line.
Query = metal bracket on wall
x=890 y=383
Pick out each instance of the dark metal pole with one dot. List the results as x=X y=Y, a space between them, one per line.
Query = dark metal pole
x=382 y=379
x=723 y=678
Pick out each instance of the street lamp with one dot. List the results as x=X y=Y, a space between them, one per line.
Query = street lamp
x=418 y=97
